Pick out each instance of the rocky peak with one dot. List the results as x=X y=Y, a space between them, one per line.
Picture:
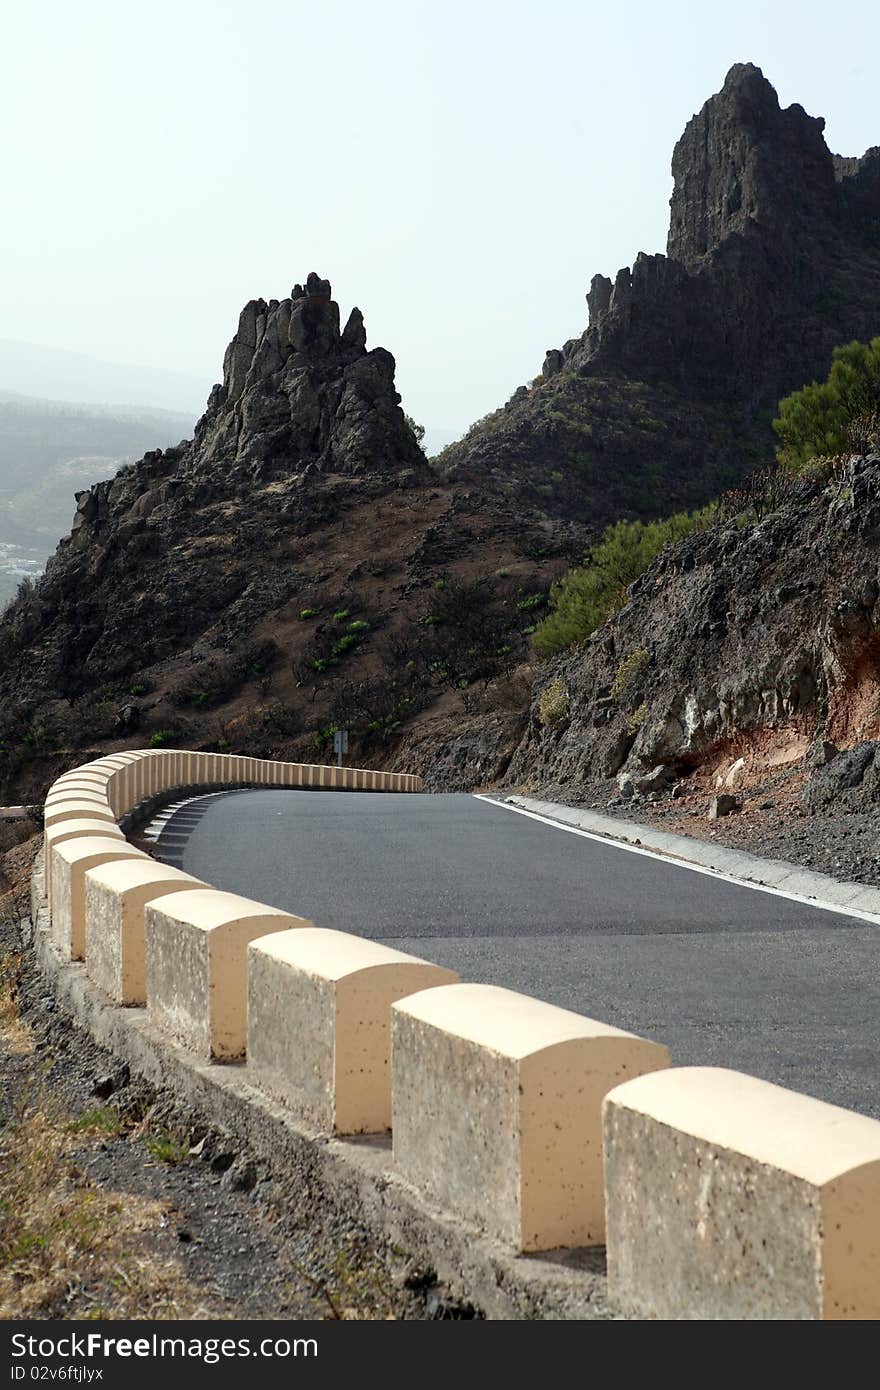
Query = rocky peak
x=305 y=326
x=298 y=393
x=743 y=160
x=666 y=398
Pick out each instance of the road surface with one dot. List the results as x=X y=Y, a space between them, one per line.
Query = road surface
x=724 y=975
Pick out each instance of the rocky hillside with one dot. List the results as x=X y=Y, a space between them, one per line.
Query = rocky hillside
x=666 y=398
x=745 y=664
x=299 y=565
x=294 y=567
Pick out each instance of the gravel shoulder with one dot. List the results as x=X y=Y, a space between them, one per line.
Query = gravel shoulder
x=772 y=821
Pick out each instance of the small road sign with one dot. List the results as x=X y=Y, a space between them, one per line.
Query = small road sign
x=340 y=744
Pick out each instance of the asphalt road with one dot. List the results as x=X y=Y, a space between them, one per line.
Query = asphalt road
x=725 y=975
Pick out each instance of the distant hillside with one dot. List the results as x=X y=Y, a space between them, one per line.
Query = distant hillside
x=49 y=451
x=35 y=370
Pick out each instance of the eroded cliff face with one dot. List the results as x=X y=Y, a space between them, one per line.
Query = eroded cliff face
x=753 y=640
x=773 y=258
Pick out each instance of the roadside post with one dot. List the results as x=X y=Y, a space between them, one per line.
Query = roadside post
x=340 y=744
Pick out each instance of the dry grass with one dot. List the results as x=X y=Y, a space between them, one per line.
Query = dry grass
x=68 y=1248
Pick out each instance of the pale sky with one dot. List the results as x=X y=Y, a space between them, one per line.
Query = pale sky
x=458 y=170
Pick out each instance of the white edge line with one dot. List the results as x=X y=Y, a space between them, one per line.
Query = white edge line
x=872 y=918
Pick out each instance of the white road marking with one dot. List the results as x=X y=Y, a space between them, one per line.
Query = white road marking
x=872 y=918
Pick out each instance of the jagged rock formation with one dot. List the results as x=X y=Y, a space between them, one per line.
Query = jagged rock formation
x=296 y=388
x=773 y=258
x=296 y=565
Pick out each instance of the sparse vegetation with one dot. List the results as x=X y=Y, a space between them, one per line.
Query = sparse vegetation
x=162 y=737
x=553 y=703
x=216 y=680
x=635 y=720
x=589 y=594
x=166 y=1146
x=629 y=678
x=417 y=431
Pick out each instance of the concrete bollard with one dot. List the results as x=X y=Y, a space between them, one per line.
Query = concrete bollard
x=196 y=948
x=497 y=1109
x=70 y=791
x=80 y=808
x=731 y=1198
x=319 y=1023
x=74 y=830
x=116 y=894
x=68 y=864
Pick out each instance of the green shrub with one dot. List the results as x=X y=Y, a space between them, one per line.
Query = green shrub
x=341 y=614
x=553 y=703
x=818 y=420
x=629 y=678
x=308 y=613
x=162 y=737
x=531 y=601
x=167 y=1147
x=588 y=595
x=635 y=720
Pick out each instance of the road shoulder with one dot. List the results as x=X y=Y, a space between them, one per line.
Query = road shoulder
x=771 y=875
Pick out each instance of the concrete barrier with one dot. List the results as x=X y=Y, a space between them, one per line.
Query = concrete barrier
x=497 y=1109
x=196 y=947
x=116 y=894
x=75 y=830
x=729 y=1197
x=80 y=791
x=80 y=808
x=67 y=865
x=319 y=1023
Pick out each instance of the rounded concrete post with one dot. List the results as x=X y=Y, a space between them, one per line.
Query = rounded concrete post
x=74 y=830
x=196 y=964
x=497 y=1104
x=82 y=807
x=116 y=894
x=319 y=1023
x=729 y=1197
x=68 y=864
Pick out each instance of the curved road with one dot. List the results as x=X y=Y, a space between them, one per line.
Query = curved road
x=725 y=975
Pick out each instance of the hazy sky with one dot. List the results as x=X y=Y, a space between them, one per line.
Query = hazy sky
x=457 y=169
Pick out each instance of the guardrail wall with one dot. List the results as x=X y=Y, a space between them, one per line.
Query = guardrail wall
x=717 y=1195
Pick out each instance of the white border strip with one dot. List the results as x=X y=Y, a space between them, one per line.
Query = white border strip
x=873 y=919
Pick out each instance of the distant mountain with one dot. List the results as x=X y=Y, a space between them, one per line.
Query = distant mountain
x=49 y=451
x=36 y=370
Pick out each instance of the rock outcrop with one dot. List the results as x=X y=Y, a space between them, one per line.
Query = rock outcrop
x=752 y=629
x=295 y=566
x=773 y=258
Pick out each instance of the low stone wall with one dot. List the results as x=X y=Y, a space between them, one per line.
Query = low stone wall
x=531 y=1127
